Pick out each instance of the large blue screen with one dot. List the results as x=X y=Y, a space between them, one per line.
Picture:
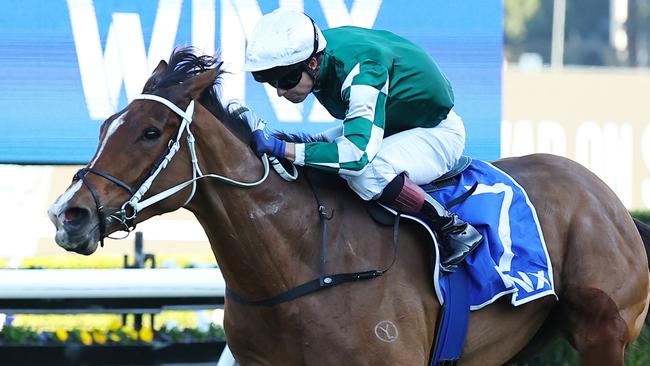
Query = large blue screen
x=65 y=66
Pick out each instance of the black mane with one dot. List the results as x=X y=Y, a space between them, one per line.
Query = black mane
x=183 y=64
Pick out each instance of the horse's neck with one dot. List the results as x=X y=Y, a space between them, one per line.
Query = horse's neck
x=256 y=234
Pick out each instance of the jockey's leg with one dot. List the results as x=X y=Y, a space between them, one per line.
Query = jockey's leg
x=457 y=238
x=422 y=154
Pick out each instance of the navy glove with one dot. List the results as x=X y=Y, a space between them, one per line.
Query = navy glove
x=268 y=144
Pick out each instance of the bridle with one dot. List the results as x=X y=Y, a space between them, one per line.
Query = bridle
x=127 y=213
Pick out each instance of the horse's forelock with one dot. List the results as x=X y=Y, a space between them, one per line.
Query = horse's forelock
x=185 y=63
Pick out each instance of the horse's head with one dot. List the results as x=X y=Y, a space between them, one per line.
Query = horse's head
x=135 y=145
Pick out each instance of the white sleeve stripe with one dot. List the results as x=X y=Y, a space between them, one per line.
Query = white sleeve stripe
x=376 y=136
x=331 y=134
x=384 y=89
x=331 y=165
x=348 y=152
x=348 y=79
x=352 y=173
x=363 y=100
x=300 y=154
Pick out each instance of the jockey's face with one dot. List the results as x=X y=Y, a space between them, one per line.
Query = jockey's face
x=299 y=92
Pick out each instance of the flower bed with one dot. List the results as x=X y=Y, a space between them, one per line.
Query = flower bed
x=118 y=345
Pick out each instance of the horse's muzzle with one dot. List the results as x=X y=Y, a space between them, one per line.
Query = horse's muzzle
x=76 y=230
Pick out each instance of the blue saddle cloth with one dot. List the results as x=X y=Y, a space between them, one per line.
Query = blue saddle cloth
x=513 y=259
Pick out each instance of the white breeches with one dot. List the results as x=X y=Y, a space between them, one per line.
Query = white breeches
x=424 y=154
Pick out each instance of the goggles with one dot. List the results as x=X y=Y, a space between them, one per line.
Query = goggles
x=286 y=77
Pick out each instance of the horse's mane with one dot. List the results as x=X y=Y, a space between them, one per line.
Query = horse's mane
x=183 y=64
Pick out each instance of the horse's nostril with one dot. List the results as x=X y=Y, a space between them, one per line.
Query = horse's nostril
x=75 y=217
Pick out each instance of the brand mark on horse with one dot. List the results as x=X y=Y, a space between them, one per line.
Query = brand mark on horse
x=386 y=331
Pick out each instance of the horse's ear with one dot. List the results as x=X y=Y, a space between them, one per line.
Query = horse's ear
x=196 y=85
x=155 y=76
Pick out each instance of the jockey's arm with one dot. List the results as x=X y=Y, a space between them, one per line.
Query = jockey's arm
x=290 y=152
x=328 y=135
x=365 y=91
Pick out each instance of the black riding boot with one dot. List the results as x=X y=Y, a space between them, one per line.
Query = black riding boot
x=457 y=238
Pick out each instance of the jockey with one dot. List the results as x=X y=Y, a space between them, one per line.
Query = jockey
x=398 y=127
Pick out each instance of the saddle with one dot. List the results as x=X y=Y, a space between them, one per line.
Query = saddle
x=385 y=218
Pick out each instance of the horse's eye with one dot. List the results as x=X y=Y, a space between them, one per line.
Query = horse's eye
x=151 y=133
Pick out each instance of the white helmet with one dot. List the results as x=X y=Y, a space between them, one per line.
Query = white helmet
x=282 y=38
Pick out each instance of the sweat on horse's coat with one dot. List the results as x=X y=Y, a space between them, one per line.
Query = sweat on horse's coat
x=600 y=267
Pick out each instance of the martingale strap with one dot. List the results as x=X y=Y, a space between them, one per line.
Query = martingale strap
x=306 y=288
x=323 y=281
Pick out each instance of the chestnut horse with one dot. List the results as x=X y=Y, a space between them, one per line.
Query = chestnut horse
x=266 y=236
